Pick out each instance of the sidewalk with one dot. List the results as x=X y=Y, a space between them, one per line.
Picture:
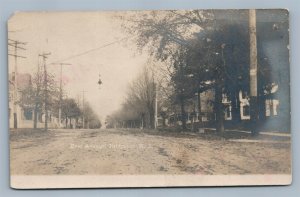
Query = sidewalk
x=245 y=136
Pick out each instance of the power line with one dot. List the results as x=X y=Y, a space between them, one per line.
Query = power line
x=89 y=51
x=18 y=47
x=16 y=55
x=14 y=41
x=16 y=30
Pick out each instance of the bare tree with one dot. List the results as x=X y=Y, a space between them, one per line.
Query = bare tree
x=33 y=96
x=141 y=95
x=70 y=109
x=165 y=35
x=146 y=95
x=91 y=119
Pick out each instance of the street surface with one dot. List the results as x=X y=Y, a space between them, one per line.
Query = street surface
x=112 y=151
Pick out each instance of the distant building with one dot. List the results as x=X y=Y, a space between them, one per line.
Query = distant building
x=207 y=98
x=207 y=106
x=25 y=115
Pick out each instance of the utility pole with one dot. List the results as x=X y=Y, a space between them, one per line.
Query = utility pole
x=45 y=56
x=16 y=45
x=253 y=72
x=37 y=94
x=60 y=92
x=83 y=118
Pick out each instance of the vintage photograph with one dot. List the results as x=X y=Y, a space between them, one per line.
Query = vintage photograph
x=157 y=98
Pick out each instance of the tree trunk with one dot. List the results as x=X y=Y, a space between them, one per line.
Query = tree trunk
x=183 y=114
x=164 y=121
x=35 y=114
x=235 y=107
x=142 y=121
x=199 y=106
x=70 y=123
x=219 y=109
x=66 y=122
x=262 y=108
x=151 y=119
x=192 y=124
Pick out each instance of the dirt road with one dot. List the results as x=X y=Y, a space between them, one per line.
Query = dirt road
x=111 y=151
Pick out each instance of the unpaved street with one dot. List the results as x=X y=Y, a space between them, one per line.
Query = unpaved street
x=111 y=151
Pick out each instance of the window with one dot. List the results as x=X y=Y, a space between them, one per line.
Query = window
x=27 y=114
x=246 y=110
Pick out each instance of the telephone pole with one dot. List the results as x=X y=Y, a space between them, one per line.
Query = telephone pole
x=37 y=94
x=17 y=45
x=45 y=56
x=253 y=72
x=60 y=92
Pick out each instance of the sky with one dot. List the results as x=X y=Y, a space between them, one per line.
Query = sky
x=68 y=34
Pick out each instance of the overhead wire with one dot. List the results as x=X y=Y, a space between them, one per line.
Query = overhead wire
x=89 y=51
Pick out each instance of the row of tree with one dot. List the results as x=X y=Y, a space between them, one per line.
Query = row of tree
x=138 y=109
x=71 y=110
x=202 y=51
x=44 y=96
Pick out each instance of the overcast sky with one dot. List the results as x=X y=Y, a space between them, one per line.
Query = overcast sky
x=66 y=34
